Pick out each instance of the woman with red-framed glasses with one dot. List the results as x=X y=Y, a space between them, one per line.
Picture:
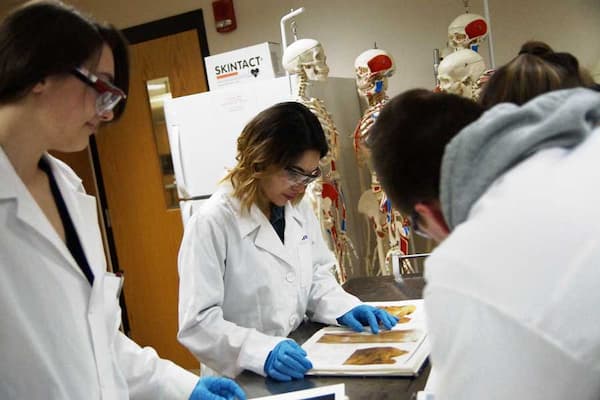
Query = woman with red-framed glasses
x=61 y=76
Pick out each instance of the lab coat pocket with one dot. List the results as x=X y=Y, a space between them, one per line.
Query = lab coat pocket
x=305 y=263
x=112 y=309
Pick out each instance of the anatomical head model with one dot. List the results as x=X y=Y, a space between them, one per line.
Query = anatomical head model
x=467 y=31
x=459 y=71
x=372 y=68
x=306 y=56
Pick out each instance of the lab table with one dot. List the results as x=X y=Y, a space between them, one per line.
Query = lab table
x=381 y=388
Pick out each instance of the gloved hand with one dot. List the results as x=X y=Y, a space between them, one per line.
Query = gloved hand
x=287 y=361
x=217 y=388
x=367 y=315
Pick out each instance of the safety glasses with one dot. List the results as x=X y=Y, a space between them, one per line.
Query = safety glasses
x=413 y=219
x=296 y=176
x=108 y=94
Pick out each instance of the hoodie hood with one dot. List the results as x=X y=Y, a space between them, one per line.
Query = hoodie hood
x=506 y=135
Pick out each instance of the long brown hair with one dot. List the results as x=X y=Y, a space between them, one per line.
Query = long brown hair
x=273 y=139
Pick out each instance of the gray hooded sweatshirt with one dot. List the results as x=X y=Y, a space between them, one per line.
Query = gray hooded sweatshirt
x=506 y=135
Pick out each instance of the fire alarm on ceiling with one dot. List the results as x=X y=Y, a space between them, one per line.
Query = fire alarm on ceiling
x=224 y=15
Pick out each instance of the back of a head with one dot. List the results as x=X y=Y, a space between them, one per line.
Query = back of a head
x=536 y=48
x=536 y=70
x=408 y=139
x=44 y=38
x=522 y=79
x=574 y=75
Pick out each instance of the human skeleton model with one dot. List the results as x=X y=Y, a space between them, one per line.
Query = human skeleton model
x=460 y=72
x=306 y=58
x=467 y=31
x=372 y=68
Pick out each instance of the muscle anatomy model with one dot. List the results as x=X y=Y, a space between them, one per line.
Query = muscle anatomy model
x=462 y=70
x=306 y=58
x=467 y=31
x=372 y=68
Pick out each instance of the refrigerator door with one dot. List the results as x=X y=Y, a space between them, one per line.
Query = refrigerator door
x=203 y=130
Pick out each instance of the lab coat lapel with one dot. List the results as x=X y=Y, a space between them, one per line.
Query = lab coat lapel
x=103 y=306
x=256 y=223
x=294 y=227
x=27 y=210
x=84 y=214
x=266 y=238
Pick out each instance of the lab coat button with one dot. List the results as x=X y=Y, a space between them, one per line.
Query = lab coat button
x=290 y=276
x=293 y=320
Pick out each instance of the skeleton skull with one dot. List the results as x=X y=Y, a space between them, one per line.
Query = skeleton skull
x=372 y=68
x=306 y=55
x=467 y=31
x=459 y=71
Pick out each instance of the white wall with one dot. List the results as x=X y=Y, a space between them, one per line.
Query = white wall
x=408 y=29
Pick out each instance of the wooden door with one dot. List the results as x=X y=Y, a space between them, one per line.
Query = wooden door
x=146 y=233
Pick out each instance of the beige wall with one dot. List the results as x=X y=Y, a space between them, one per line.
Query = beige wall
x=408 y=29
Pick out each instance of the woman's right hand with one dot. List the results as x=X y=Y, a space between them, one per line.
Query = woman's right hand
x=287 y=361
x=217 y=388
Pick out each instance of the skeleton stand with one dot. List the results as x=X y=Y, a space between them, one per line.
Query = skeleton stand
x=326 y=192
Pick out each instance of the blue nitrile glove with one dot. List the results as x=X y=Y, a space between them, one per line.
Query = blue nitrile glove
x=287 y=361
x=367 y=315
x=217 y=388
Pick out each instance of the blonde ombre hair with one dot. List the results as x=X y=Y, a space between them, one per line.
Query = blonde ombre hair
x=274 y=139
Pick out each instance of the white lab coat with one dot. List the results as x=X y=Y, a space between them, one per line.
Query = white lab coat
x=513 y=294
x=242 y=290
x=59 y=337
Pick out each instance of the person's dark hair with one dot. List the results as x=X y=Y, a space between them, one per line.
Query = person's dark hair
x=273 y=139
x=536 y=48
x=536 y=70
x=119 y=46
x=574 y=75
x=45 y=38
x=408 y=139
x=523 y=78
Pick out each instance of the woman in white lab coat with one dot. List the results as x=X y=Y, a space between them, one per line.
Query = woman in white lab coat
x=60 y=75
x=253 y=261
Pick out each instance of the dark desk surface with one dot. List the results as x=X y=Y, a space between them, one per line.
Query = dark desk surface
x=380 y=388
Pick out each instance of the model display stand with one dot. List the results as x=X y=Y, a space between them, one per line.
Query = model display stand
x=307 y=60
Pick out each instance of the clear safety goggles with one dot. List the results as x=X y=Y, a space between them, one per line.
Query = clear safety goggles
x=108 y=94
x=296 y=176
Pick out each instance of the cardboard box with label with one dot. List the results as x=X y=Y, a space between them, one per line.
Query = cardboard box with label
x=261 y=61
